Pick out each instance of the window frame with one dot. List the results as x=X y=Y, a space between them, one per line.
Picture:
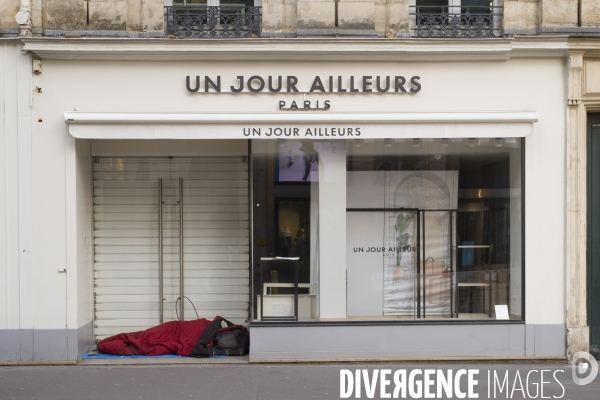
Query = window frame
x=375 y=322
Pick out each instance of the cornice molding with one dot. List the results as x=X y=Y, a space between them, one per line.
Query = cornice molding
x=298 y=49
x=588 y=45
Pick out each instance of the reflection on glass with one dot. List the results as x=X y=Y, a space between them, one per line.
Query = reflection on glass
x=285 y=204
x=431 y=6
x=432 y=227
x=458 y=204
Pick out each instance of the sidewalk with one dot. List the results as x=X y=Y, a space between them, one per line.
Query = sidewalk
x=238 y=381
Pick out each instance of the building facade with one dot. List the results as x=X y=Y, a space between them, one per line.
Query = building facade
x=352 y=180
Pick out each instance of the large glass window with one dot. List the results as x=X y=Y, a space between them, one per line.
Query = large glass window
x=390 y=229
x=434 y=226
x=285 y=214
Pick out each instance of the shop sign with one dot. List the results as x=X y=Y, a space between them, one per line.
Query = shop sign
x=290 y=84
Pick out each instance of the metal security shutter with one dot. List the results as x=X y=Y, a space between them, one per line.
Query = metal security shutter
x=126 y=239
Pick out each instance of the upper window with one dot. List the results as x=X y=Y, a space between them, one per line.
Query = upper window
x=214 y=18
x=456 y=18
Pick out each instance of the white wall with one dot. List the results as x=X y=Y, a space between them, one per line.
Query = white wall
x=18 y=254
x=9 y=187
x=83 y=240
x=517 y=84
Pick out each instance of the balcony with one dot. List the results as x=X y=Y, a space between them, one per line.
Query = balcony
x=456 y=21
x=213 y=22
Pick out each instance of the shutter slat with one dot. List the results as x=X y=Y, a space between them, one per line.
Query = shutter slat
x=216 y=240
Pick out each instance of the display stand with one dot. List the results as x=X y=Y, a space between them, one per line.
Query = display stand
x=276 y=263
x=476 y=285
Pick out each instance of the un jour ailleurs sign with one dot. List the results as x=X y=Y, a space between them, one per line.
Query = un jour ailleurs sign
x=290 y=84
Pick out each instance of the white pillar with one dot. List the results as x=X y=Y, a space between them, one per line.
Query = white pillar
x=332 y=229
x=577 y=328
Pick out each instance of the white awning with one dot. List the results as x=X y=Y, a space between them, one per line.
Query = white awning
x=300 y=124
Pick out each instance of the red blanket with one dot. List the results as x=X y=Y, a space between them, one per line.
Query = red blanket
x=175 y=337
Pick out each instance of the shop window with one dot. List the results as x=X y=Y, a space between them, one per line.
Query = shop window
x=417 y=228
x=434 y=229
x=285 y=214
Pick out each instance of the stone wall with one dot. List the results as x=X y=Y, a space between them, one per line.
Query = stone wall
x=8 y=9
x=555 y=13
x=522 y=17
x=590 y=13
x=290 y=18
x=87 y=17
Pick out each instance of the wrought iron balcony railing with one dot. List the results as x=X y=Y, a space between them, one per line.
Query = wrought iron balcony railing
x=456 y=21
x=213 y=22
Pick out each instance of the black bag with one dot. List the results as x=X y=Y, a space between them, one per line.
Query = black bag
x=231 y=343
x=235 y=342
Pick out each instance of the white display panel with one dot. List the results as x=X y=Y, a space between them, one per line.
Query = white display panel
x=382 y=245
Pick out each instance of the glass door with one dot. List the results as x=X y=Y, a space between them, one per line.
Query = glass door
x=437 y=272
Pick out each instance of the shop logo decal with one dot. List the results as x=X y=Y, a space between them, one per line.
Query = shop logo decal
x=581 y=368
x=464 y=383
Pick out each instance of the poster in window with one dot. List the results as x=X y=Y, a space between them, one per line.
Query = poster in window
x=382 y=246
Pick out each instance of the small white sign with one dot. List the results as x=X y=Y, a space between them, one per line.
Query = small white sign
x=283 y=310
x=502 y=312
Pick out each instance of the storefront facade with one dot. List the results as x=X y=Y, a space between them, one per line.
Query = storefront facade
x=349 y=202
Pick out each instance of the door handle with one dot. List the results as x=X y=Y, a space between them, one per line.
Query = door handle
x=160 y=252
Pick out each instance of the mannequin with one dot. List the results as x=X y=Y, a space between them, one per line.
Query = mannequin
x=300 y=243
x=285 y=242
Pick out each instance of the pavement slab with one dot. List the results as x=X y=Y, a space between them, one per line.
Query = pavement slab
x=261 y=382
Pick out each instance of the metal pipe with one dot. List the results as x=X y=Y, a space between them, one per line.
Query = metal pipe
x=23 y=18
x=160 y=251
x=419 y=264
x=451 y=266
x=424 y=261
x=181 y=307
